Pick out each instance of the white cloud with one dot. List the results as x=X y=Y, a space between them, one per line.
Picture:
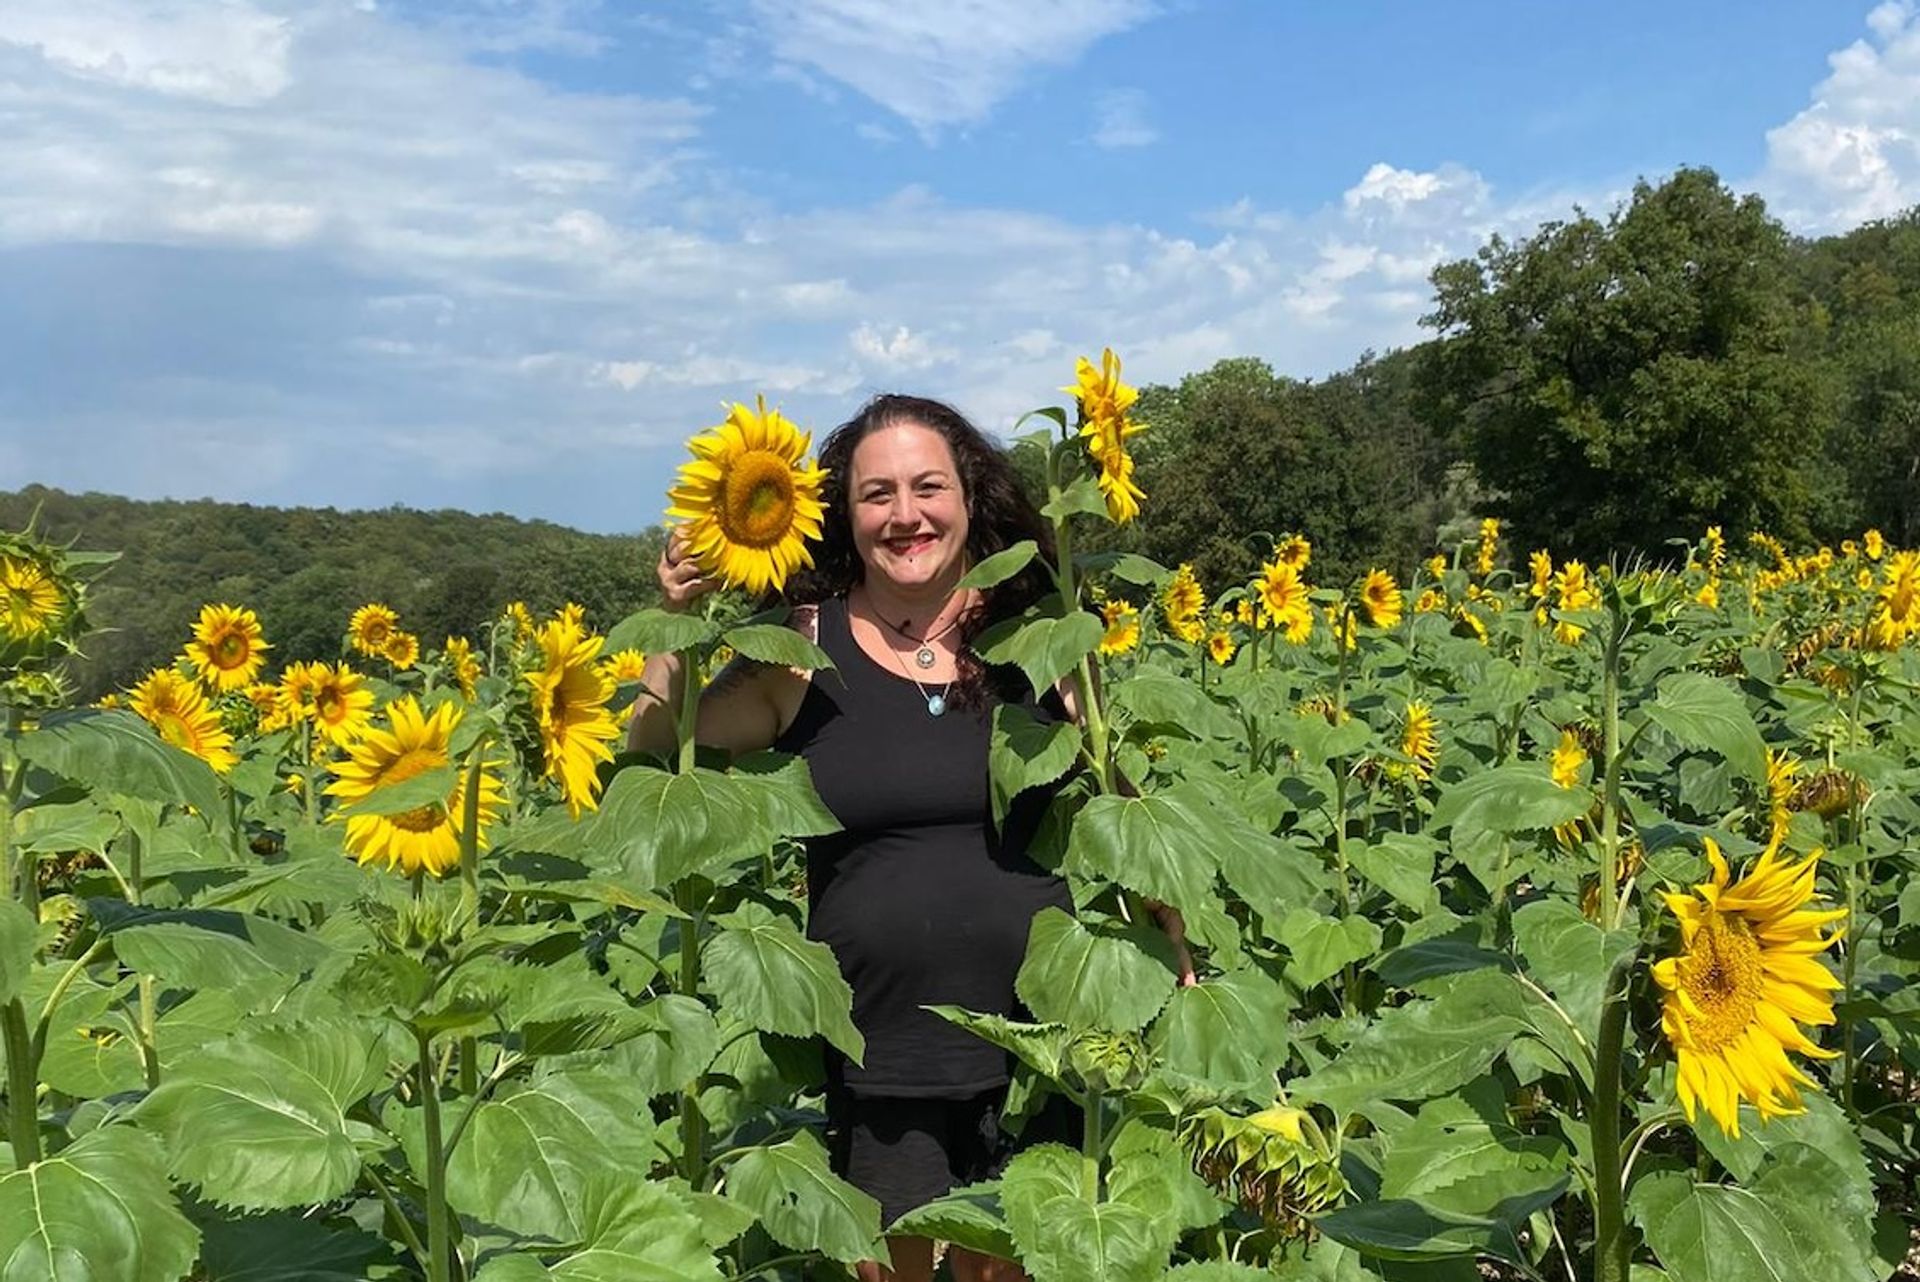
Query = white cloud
x=1120 y=120
x=232 y=54
x=1854 y=154
x=939 y=65
x=901 y=350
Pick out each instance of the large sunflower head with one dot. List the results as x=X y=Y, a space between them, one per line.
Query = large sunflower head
x=1746 y=976
x=227 y=649
x=570 y=706
x=180 y=714
x=427 y=837
x=31 y=603
x=370 y=628
x=749 y=502
x=342 y=703
x=1380 y=598
x=402 y=649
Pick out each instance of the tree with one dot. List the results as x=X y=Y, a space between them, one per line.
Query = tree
x=1630 y=382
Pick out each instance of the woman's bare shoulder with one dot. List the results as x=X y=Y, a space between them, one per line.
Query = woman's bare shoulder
x=805 y=619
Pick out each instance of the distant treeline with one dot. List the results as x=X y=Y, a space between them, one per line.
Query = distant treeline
x=305 y=570
x=1605 y=385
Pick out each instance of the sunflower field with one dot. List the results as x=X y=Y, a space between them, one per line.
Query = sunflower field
x=1553 y=920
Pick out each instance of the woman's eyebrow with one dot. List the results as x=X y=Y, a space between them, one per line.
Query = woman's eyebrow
x=883 y=482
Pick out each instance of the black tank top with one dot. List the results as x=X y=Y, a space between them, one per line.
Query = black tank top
x=919 y=899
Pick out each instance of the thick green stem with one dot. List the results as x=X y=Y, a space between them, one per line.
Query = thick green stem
x=23 y=1086
x=1610 y=906
x=693 y=1123
x=689 y=711
x=1094 y=717
x=438 y=1235
x=470 y=846
x=1610 y=1234
x=147 y=1014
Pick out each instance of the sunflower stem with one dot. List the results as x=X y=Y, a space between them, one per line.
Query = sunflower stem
x=689 y=711
x=1610 y=1235
x=1609 y=905
x=23 y=1086
x=437 y=1227
x=470 y=840
x=693 y=1123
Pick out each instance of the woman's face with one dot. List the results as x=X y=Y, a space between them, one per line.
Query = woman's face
x=909 y=514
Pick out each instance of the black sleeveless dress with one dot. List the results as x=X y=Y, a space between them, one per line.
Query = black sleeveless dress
x=920 y=900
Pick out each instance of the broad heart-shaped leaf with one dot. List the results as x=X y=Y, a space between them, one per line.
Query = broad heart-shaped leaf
x=655 y=828
x=1216 y=1271
x=1128 y=567
x=18 y=933
x=1420 y=1050
x=528 y=1155
x=1505 y=800
x=1410 y=1229
x=79 y=825
x=1400 y=864
x=1001 y=566
x=1026 y=752
x=1155 y=845
x=289 y=1247
x=968 y=1217
x=1717 y=1233
x=1062 y=1235
x=776 y=979
x=803 y=1204
x=1703 y=712
x=1041 y=1047
x=1106 y=977
x=97 y=1211
x=1227 y=1034
x=194 y=957
x=1153 y=695
x=1320 y=945
x=109 y=750
x=636 y=1231
x=775 y=644
x=259 y=1121
x=657 y=631
x=1046 y=648
x=1461 y=1155
x=677 y=1042
x=1570 y=957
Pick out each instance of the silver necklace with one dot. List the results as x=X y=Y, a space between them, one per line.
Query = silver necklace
x=936 y=703
x=924 y=656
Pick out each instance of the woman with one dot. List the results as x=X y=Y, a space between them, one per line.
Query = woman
x=920 y=899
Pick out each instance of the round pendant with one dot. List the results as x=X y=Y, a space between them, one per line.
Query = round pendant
x=936 y=704
x=924 y=657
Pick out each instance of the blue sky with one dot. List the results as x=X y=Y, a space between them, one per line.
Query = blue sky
x=505 y=255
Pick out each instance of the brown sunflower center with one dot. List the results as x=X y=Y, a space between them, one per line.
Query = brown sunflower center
x=230 y=651
x=1721 y=974
x=415 y=761
x=331 y=707
x=756 y=500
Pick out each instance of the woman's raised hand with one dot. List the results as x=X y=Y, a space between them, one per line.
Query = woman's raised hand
x=681 y=581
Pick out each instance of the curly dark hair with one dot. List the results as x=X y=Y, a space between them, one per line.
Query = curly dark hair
x=999 y=514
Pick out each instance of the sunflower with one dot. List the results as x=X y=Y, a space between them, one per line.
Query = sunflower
x=1708 y=595
x=1123 y=628
x=178 y=711
x=1281 y=595
x=1896 y=608
x=1380 y=597
x=623 y=667
x=1243 y=611
x=521 y=618
x=402 y=649
x=227 y=650
x=1294 y=550
x=461 y=665
x=1783 y=777
x=1573 y=590
x=1220 y=648
x=1569 y=759
x=1489 y=546
x=427 y=837
x=748 y=501
x=1715 y=544
x=29 y=599
x=1184 y=603
x=1430 y=601
x=1745 y=978
x=296 y=691
x=570 y=703
x=1419 y=742
x=1106 y=426
x=370 y=626
x=342 y=703
x=1875 y=544
x=1467 y=623
x=1436 y=566
x=573 y=614
x=1540 y=568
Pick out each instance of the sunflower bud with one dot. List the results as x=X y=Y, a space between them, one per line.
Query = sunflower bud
x=1276 y=1163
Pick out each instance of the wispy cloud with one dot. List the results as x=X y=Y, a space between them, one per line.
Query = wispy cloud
x=1120 y=120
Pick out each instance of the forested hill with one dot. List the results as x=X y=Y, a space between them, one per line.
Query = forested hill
x=305 y=570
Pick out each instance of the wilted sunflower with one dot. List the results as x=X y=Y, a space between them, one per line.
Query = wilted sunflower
x=1745 y=977
x=570 y=704
x=1184 y=603
x=342 y=703
x=370 y=627
x=749 y=502
x=29 y=599
x=461 y=665
x=227 y=649
x=1106 y=426
x=427 y=837
x=1123 y=628
x=1380 y=597
x=624 y=666
x=402 y=650
x=1220 y=648
x=179 y=712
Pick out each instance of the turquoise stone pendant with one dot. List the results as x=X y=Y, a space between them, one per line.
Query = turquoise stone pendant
x=936 y=704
